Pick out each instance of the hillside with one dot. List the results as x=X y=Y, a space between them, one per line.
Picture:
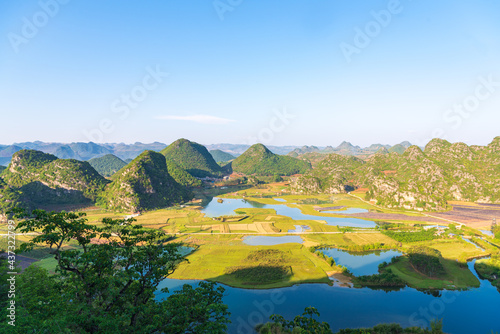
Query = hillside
x=221 y=156
x=332 y=175
x=417 y=179
x=45 y=179
x=181 y=176
x=259 y=160
x=144 y=184
x=9 y=198
x=192 y=157
x=107 y=165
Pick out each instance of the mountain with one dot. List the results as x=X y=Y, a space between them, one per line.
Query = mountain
x=332 y=175
x=2 y=168
x=107 y=165
x=45 y=179
x=144 y=184
x=66 y=152
x=192 y=157
x=377 y=147
x=416 y=179
x=303 y=150
x=181 y=176
x=221 y=156
x=347 y=148
x=398 y=148
x=90 y=150
x=237 y=149
x=9 y=198
x=131 y=151
x=261 y=161
x=8 y=151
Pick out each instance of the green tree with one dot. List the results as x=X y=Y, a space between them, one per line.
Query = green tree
x=107 y=285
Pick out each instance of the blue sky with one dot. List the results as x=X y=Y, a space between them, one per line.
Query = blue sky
x=312 y=72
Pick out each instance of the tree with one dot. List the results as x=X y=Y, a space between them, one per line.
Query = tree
x=301 y=324
x=107 y=285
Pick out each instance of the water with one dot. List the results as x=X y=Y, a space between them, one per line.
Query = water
x=361 y=263
x=271 y=241
x=299 y=229
x=350 y=307
x=348 y=211
x=473 y=243
x=488 y=233
x=216 y=209
x=279 y=199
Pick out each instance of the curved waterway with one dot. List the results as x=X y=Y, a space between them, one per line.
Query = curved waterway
x=228 y=205
x=463 y=312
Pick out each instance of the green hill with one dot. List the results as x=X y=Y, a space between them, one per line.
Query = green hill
x=398 y=148
x=192 y=157
x=416 y=179
x=44 y=179
x=107 y=165
x=181 y=176
x=221 y=156
x=9 y=198
x=260 y=161
x=144 y=184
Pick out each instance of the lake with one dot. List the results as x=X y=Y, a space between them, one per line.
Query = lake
x=227 y=207
x=360 y=263
x=463 y=312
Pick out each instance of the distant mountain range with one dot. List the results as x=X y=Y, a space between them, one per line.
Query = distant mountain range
x=128 y=152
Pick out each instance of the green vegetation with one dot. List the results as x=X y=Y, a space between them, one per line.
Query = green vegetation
x=221 y=156
x=181 y=176
x=44 y=179
x=426 y=260
x=386 y=278
x=108 y=287
x=422 y=235
x=107 y=165
x=489 y=269
x=416 y=179
x=307 y=324
x=192 y=157
x=259 y=160
x=144 y=184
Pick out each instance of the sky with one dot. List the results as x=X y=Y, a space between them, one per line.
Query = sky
x=288 y=72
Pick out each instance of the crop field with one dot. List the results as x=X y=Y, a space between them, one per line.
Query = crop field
x=211 y=262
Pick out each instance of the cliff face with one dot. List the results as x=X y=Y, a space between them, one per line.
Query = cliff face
x=143 y=184
x=423 y=180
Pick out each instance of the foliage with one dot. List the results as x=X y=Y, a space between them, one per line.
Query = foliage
x=305 y=323
x=108 y=285
x=262 y=267
x=260 y=161
x=489 y=269
x=181 y=176
x=416 y=179
x=107 y=165
x=48 y=180
x=192 y=157
x=436 y=327
x=423 y=235
x=386 y=278
x=144 y=184
x=426 y=260
x=221 y=156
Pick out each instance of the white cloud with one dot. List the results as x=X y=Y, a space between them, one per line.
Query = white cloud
x=204 y=119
